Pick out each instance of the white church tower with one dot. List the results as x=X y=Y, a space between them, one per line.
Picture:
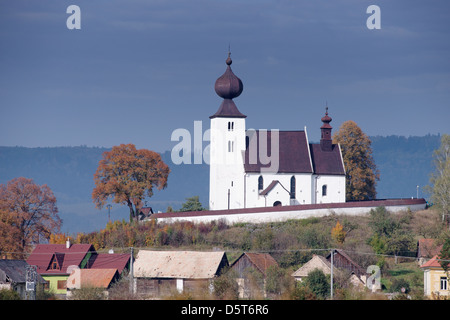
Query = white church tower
x=227 y=146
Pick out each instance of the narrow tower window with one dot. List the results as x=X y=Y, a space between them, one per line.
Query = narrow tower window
x=324 y=190
x=293 y=187
x=260 y=183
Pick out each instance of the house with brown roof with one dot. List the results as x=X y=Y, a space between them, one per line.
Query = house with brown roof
x=427 y=249
x=262 y=168
x=118 y=261
x=435 y=280
x=162 y=272
x=91 y=278
x=342 y=265
x=251 y=269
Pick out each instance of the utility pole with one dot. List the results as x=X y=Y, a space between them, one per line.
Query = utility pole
x=131 y=288
x=109 y=212
x=331 y=285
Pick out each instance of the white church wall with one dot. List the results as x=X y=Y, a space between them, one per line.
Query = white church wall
x=302 y=189
x=279 y=216
x=329 y=188
x=226 y=163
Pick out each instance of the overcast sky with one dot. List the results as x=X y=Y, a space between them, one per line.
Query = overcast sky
x=137 y=70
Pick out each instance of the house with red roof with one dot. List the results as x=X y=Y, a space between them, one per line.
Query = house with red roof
x=56 y=262
x=435 y=279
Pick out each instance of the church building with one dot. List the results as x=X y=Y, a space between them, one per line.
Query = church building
x=260 y=168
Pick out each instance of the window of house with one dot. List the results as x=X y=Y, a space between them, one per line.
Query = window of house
x=62 y=284
x=260 y=183
x=324 y=190
x=443 y=283
x=54 y=264
x=293 y=187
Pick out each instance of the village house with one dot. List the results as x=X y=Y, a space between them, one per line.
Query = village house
x=91 y=278
x=342 y=261
x=435 y=280
x=427 y=249
x=13 y=277
x=342 y=265
x=251 y=267
x=164 y=272
x=316 y=262
x=55 y=262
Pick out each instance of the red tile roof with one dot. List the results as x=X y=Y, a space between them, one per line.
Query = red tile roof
x=428 y=248
x=92 y=278
x=262 y=261
x=433 y=263
x=110 y=261
x=43 y=254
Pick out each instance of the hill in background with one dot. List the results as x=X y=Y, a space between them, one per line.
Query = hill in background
x=403 y=162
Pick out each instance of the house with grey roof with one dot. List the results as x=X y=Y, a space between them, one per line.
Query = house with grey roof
x=163 y=272
x=13 y=276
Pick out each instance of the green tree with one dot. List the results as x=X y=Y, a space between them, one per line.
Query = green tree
x=361 y=171
x=318 y=283
x=444 y=257
x=440 y=179
x=192 y=204
x=390 y=235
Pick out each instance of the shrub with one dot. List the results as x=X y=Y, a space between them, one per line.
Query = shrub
x=398 y=284
x=6 y=294
x=317 y=282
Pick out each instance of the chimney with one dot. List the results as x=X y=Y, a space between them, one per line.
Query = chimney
x=68 y=243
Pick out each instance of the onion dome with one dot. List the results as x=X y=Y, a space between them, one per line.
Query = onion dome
x=228 y=87
x=326 y=120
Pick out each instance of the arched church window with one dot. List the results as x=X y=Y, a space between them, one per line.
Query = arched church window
x=293 y=187
x=260 y=183
x=324 y=190
x=277 y=203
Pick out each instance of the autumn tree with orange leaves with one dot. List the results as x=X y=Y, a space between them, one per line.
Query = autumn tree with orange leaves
x=28 y=215
x=361 y=171
x=128 y=175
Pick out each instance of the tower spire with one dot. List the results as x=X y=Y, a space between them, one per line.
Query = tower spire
x=228 y=87
x=326 y=143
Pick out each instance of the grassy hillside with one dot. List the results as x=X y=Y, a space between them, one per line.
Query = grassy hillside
x=291 y=243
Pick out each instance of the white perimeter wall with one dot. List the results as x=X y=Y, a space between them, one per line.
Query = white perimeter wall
x=278 y=216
